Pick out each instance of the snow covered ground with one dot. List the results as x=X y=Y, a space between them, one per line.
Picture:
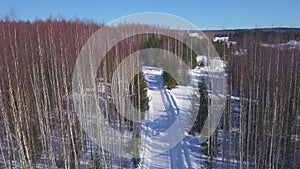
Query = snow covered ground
x=165 y=107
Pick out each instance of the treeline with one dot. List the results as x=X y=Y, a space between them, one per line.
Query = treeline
x=38 y=122
x=175 y=46
x=267 y=82
x=37 y=125
x=260 y=127
x=266 y=35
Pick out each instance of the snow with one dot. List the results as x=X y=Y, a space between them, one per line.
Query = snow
x=240 y=52
x=290 y=44
x=197 y=35
x=222 y=39
x=201 y=58
x=165 y=107
x=293 y=43
x=235 y=98
x=169 y=107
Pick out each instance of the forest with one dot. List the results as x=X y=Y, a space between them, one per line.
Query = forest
x=39 y=127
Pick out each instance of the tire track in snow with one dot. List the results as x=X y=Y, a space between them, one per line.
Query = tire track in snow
x=176 y=155
x=177 y=152
x=156 y=125
x=176 y=158
x=182 y=160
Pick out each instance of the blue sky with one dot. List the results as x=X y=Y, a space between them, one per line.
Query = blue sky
x=209 y=14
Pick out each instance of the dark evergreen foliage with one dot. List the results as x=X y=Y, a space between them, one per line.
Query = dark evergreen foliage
x=202 y=97
x=138 y=93
x=172 y=45
x=169 y=81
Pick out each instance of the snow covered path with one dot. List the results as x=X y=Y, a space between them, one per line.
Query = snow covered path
x=164 y=109
x=156 y=121
x=169 y=106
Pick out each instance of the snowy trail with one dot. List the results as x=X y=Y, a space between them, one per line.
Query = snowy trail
x=165 y=107
x=175 y=152
x=156 y=121
x=164 y=110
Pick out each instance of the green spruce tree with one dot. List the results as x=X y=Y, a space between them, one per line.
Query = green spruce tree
x=200 y=104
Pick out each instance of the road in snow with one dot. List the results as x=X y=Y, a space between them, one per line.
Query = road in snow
x=165 y=105
x=157 y=121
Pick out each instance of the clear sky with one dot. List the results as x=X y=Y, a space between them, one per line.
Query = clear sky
x=207 y=14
